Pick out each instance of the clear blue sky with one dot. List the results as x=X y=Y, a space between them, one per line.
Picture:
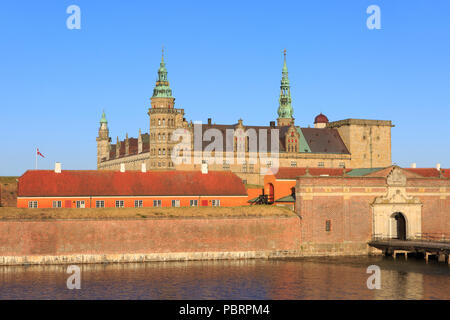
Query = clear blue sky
x=224 y=60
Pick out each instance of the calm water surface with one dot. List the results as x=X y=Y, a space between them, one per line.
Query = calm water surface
x=313 y=278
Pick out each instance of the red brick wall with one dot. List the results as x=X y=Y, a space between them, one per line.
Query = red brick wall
x=66 y=237
x=327 y=198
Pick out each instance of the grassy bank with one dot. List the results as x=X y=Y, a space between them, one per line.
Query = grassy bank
x=142 y=213
x=8 y=179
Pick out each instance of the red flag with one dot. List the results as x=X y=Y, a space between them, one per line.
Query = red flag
x=40 y=154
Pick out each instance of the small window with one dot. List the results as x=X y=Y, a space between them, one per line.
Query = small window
x=293 y=163
x=99 y=203
x=80 y=204
x=244 y=181
x=215 y=203
x=269 y=164
x=138 y=203
x=57 y=204
x=157 y=203
x=321 y=164
x=119 y=204
x=341 y=164
x=32 y=204
x=193 y=203
x=175 y=203
x=328 y=225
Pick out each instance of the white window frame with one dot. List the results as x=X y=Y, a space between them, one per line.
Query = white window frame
x=57 y=204
x=120 y=204
x=138 y=203
x=193 y=203
x=99 y=203
x=176 y=203
x=157 y=203
x=215 y=203
x=32 y=204
x=81 y=204
x=321 y=164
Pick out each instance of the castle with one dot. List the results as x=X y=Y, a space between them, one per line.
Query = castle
x=349 y=143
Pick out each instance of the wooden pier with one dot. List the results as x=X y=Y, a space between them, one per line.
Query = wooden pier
x=426 y=245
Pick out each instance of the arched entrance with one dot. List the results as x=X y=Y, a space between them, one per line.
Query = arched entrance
x=271 y=197
x=398 y=226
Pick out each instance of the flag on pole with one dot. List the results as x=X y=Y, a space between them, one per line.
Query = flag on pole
x=39 y=154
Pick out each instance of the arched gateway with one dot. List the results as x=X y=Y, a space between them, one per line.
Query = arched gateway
x=397 y=215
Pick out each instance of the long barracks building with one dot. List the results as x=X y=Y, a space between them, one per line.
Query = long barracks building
x=115 y=189
x=350 y=143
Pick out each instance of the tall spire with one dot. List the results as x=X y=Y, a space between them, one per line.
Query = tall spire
x=162 y=88
x=285 y=110
x=103 y=119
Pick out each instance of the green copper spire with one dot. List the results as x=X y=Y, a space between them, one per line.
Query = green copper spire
x=162 y=89
x=285 y=109
x=103 y=119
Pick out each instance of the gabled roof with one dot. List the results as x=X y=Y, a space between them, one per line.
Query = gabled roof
x=34 y=183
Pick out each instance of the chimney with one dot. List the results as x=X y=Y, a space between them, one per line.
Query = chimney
x=438 y=166
x=204 y=167
x=143 y=167
x=413 y=165
x=272 y=124
x=57 y=167
x=122 y=167
x=209 y=121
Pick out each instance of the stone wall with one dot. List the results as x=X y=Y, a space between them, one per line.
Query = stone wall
x=98 y=241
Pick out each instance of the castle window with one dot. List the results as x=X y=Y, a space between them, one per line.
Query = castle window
x=57 y=204
x=159 y=122
x=159 y=164
x=164 y=137
x=328 y=225
x=164 y=122
x=293 y=163
x=138 y=203
x=169 y=136
x=341 y=164
x=100 y=204
x=159 y=136
x=164 y=152
x=215 y=203
x=251 y=167
x=157 y=203
x=80 y=204
x=193 y=203
x=175 y=203
x=32 y=204
x=159 y=152
x=321 y=164
x=269 y=164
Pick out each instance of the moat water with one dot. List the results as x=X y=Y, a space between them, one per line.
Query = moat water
x=309 y=278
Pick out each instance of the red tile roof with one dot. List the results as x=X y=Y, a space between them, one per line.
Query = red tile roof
x=425 y=172
x=34 y=183
x=292 y=173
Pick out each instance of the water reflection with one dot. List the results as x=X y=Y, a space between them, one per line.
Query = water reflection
x=318 y=278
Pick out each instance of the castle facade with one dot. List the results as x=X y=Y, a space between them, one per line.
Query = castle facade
x=349 y=143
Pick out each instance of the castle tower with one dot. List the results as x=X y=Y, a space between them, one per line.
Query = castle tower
x=285 y=110
x=103 y=140
x=164 y=120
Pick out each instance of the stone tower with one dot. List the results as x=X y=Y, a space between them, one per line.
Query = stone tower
x=103 y=140
x=164 y=120
x=285 y=110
